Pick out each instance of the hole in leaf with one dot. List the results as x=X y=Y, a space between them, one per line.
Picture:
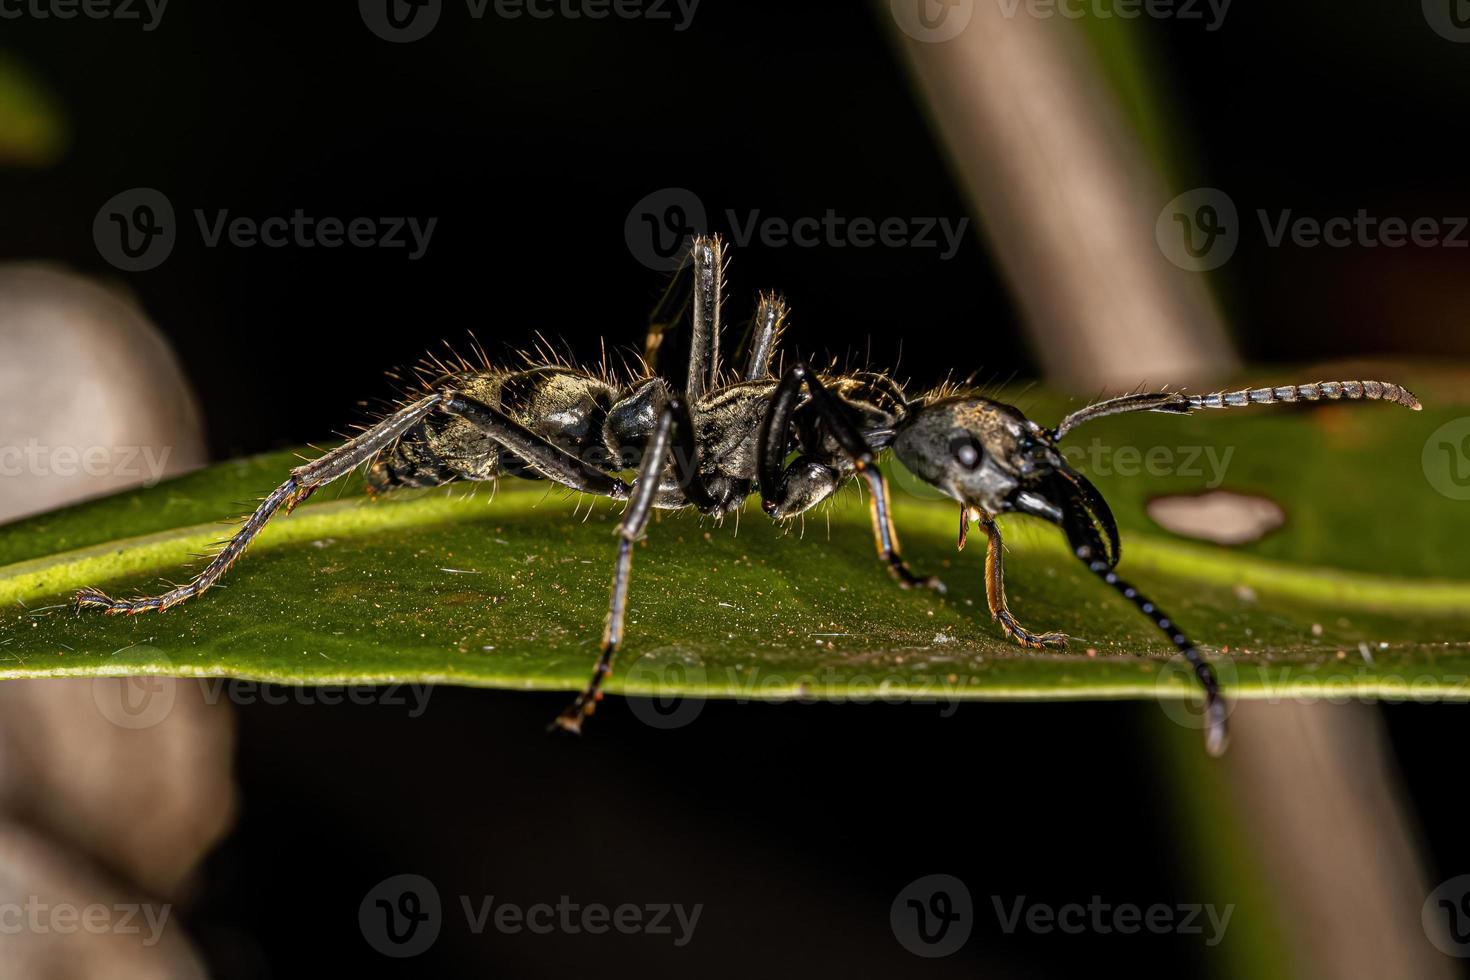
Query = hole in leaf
x=1220 y=516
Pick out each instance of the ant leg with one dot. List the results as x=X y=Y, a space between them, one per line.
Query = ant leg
x=548 y=459
x=688 y=483
x=704 y=345
x=995 y=586
x=304 y=481
x=1216 y=710
x=770 y=320
x=771 y=453
x=885 y=535
x=666 y=313
x=630 y=530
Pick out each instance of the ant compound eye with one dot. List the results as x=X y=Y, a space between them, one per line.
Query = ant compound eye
x=966 y=450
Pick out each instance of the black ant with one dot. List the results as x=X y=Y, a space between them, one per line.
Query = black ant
x=794 y=439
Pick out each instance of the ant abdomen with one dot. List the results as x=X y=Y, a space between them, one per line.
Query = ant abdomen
x=564 y=406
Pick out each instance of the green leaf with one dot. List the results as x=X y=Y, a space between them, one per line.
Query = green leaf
x=1365 y=590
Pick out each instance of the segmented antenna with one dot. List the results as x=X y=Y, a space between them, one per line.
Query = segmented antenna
x=1182 y=404
x=1329 y=390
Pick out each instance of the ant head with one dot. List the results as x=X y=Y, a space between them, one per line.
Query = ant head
x=988 y=455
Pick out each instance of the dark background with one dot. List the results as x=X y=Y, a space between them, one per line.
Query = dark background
x=530 y=141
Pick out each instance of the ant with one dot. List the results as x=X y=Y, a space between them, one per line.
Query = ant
x=793 y=438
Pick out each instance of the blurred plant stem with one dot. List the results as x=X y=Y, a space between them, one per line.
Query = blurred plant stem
x=1066 y=170
x=1068 y=196
x=101 y=803
x=33 y=130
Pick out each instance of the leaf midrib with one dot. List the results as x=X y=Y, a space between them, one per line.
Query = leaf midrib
x=165 y=551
